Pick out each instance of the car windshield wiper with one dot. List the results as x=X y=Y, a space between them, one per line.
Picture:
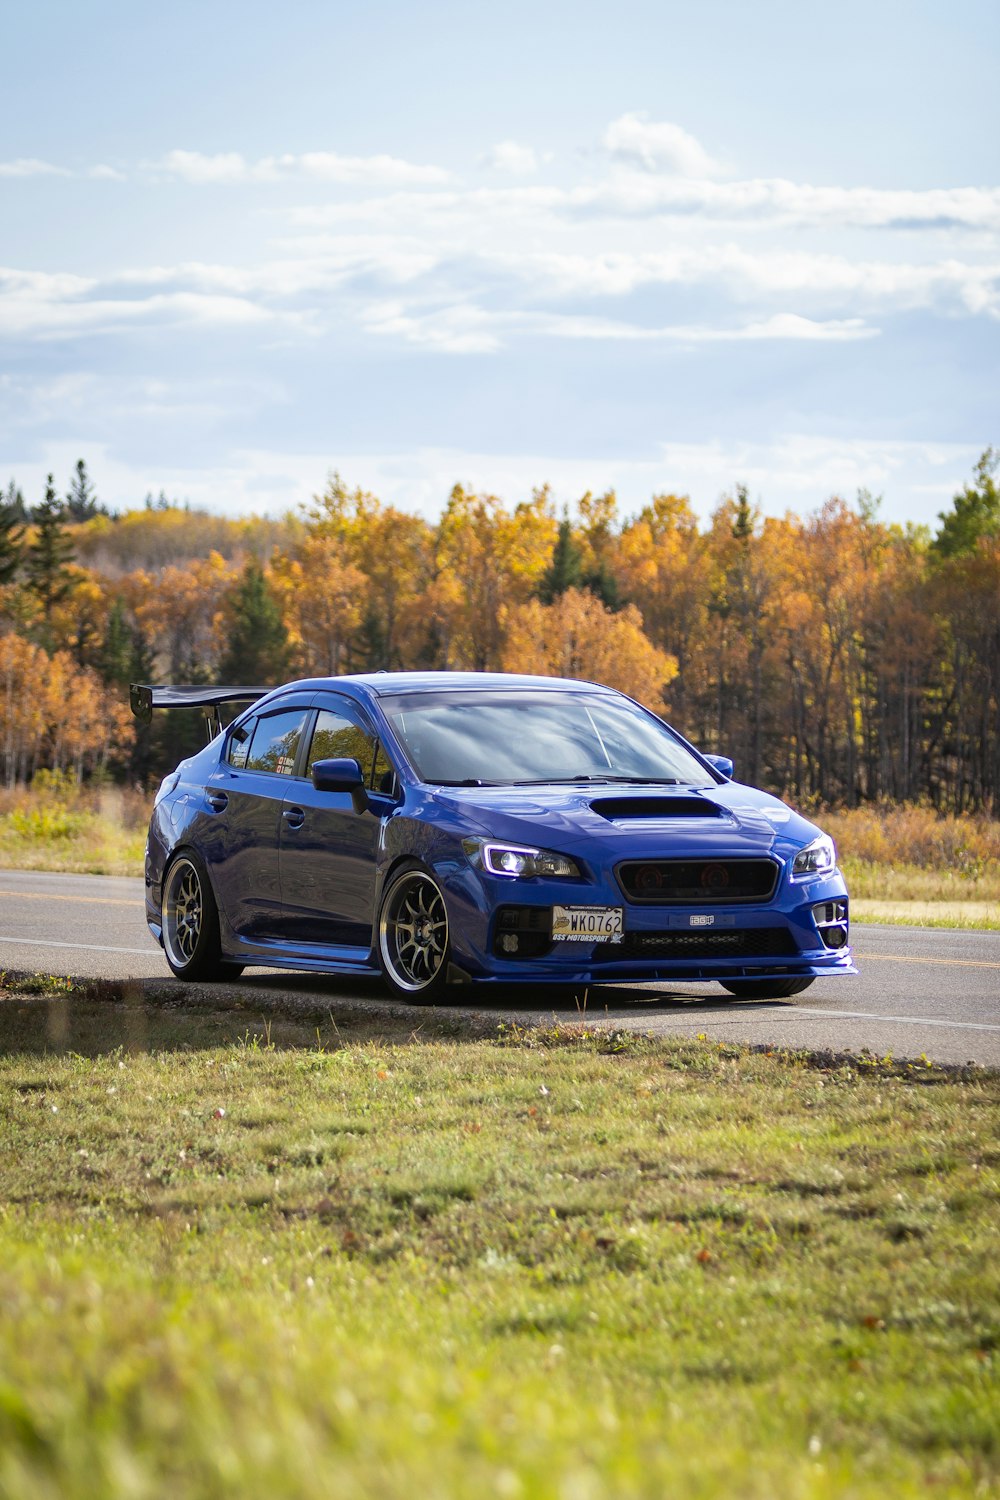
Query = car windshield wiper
x=605 y=780
x=468 y=781
x=648 y=780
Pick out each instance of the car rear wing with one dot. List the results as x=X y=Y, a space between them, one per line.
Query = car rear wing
x=143 y=698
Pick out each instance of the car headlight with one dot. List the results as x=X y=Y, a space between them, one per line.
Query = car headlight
x=518 y=862
x=817 y=858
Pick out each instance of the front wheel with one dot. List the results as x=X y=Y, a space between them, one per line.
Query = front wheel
x=413 y=936
x=189 y=921
x=766 y=989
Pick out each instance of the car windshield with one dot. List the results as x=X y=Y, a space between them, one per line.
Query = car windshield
x=527 y=738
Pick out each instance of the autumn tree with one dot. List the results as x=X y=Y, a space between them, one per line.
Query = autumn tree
x=55 y=714
x=181 y=612
x=663 y=562
x=393 y=551
x=575 y=636
x=324 y=600
x=599 y=542
x=497 y=558
x=738 y=605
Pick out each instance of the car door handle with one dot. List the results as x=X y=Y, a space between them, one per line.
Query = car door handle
x=217 y=801
x=294 y=817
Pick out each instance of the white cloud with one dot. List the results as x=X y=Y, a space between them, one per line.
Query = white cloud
x=30 y=166
x=508 y=156
x=779 y=202
x=104 y=173
x=620 y=198
x=34 y=304
x=231 y=167
x=658 y=146
x=469 y=329
x=776 y=274
x=452 y=330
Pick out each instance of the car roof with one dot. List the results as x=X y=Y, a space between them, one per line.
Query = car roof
x=382 y=684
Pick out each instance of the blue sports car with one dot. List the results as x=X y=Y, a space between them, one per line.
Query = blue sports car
x=446 y=828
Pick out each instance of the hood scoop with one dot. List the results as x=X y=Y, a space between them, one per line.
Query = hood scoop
x=624 y=809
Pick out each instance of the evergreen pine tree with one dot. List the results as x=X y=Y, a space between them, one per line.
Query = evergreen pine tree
x=81 y=502
x=11 y=532
x=975 y=511
x=373 y=641
x=601 y=582
x=118 y=650
x=49 y=554
x=565 y=570
x=14 y=501
x=743 y=520
x=257 y=652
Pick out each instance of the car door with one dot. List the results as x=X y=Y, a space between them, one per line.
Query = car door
x=246 y=795
x=327 y=850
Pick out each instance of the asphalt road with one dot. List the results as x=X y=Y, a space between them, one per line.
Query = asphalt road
x=921 y=990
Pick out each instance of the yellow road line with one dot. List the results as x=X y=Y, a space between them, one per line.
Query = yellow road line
x=907 y=958
x=49 y=896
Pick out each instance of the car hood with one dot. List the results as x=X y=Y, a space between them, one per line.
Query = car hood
x=731 y=818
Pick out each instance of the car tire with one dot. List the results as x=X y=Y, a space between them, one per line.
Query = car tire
x=766 y=989
x=189 y=920
x=413 y=935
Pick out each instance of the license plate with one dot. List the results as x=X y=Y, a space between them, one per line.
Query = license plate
x=581 y=924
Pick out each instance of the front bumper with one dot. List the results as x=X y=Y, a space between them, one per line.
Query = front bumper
x=780 y=939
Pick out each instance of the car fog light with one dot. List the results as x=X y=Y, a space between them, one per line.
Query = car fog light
x=831 y=919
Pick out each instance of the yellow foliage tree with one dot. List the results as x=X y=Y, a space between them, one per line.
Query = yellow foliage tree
x=393 y=550
x=55 y=713
x=324 y=599
x=576 y=636
x=182 y=610
x=496 y=558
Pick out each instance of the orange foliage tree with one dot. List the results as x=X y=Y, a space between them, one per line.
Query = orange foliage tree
x=55 y=713
x=576 y=636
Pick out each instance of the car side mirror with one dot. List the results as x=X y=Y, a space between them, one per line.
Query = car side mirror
x=721 y=763
x=342 y=775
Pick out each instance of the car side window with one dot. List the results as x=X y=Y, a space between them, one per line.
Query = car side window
x=337 y=736
x=239 y=743
x=275 y=742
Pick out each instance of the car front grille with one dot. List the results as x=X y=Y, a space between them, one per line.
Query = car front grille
x=747 y=942
x=701 y=882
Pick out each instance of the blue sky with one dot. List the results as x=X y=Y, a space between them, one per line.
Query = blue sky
x=649 y=246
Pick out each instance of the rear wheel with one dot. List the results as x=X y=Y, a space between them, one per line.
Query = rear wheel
x=766 y=989
x=413 y=935
x=189 y=920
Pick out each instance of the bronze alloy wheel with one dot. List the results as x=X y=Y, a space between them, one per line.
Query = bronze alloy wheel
x=183 y=912
x=189 y=921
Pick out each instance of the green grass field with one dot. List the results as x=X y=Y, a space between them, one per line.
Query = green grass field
x=290 y=1261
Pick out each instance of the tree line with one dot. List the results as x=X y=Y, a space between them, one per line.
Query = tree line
x=836 y=657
